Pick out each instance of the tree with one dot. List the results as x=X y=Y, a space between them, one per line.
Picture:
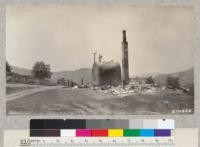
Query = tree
x=173 y=82
x=8 y=68
x=41 y=70
x=150 y=80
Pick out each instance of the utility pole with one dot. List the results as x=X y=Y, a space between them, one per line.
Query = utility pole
x=100 y=57
x=94 y=54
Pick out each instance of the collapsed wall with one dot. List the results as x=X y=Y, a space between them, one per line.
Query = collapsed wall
x=106 y=73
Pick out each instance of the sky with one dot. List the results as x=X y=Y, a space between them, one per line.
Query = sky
x=160 y=38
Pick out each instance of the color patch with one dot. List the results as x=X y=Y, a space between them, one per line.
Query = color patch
x=83 y=133
x=162 y=133
x=45 y=133
x=147 y=132
x=36 y=133
x=68 y=133
x=115 y=133
x=135 y=124
x=150 y=124
x=166 y=124
x=93 y=124
x=74 y=124
x=107 y=123
x=52 y=133
x=46 y=123
x=121 y=124
x=131 y=132
x=100 y=133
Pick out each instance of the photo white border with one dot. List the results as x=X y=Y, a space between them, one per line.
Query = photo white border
x=22 y=122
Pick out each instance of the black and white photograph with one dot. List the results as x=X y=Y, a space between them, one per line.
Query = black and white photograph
x=99 y=60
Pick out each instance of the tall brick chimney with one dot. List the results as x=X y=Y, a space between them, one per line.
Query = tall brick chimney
x=125 y=66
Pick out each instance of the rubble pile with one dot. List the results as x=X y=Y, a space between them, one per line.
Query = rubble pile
x=130 y=89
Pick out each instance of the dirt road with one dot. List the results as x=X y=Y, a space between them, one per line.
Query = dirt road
x=58 y=100
x=24 y=93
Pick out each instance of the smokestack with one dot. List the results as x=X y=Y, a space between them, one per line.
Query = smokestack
x=125 y=66
x=94 y=55
x=124 y=35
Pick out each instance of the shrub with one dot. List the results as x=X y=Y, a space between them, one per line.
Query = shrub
x=173 y=82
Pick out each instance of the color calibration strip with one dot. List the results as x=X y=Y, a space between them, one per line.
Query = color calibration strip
x=102 y=124
x=101 y=133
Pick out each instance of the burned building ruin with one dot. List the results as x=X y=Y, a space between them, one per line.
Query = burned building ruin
x=109 y=73
x=106 y=73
